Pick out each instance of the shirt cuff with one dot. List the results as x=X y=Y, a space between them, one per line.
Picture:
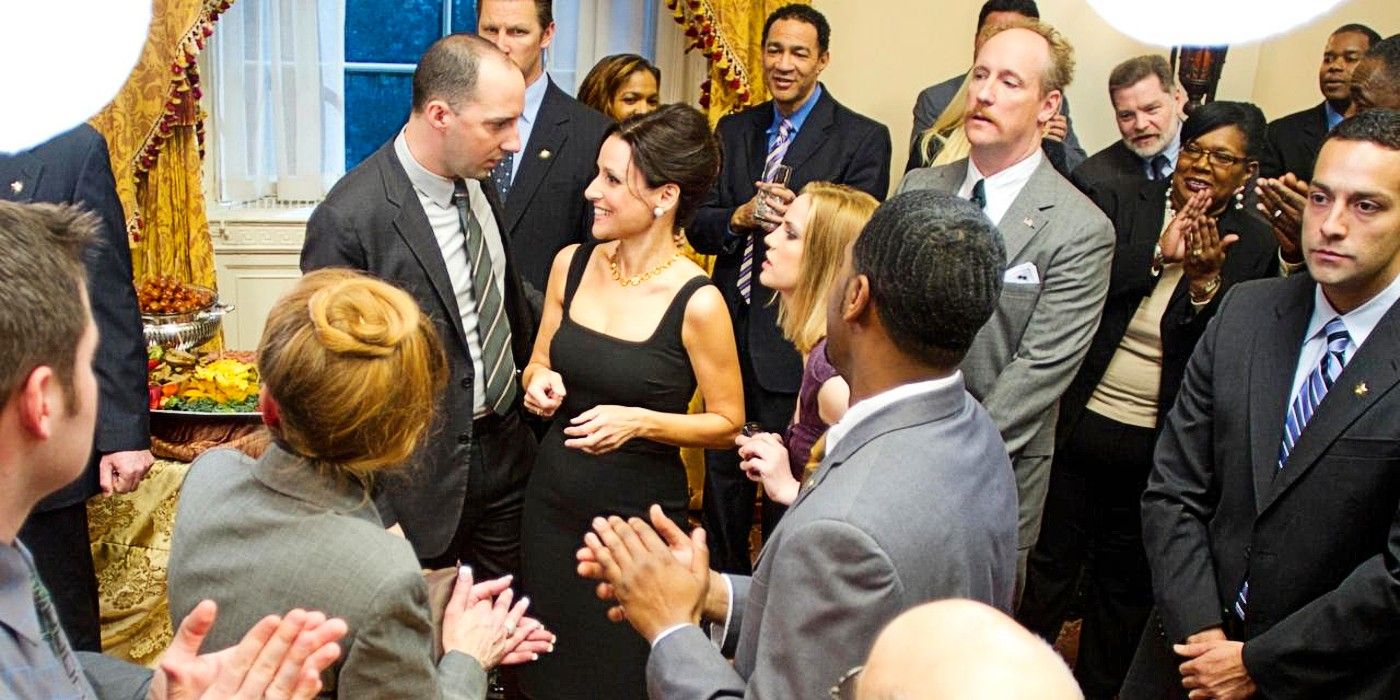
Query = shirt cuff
x=718 y=632
x=1286 y=268
x=668 y=632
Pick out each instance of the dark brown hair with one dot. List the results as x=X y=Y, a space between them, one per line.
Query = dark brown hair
x=674 y=145
x=43 y=316
x=606 y=78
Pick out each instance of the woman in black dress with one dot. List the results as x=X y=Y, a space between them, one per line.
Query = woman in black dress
x=630 y=328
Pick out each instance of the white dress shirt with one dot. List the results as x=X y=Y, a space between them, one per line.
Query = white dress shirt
x=1002 y=188
x=534 y=97
x=435 y=194
x=1360 y=321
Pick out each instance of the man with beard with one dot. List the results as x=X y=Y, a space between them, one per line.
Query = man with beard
x=1147 y=104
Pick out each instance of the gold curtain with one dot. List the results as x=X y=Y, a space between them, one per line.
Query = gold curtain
x=154 y=131
x=729 y=33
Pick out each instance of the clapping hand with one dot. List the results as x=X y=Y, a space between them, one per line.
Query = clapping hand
x=545 y=393
x=1282 y=201
x=654 y=587
x=280 y=657
x=1205 y=250
x=1215 y=667
x=1057 y=128
x=1173 y=240
x=481 y=622
x=764 y=458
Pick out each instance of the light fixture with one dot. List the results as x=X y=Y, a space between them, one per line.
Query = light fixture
x=1208 y=22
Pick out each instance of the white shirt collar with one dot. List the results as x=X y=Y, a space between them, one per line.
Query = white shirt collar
x=1002 y=188
x=868 y=406
x=431 y=185
x=1360 y=321
x=534 y=97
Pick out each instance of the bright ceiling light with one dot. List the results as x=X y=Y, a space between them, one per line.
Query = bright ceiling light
x=61 y=61
x=1208 y=22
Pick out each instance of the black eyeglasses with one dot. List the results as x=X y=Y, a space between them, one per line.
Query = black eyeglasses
x=845 y=688
x=1223 y=159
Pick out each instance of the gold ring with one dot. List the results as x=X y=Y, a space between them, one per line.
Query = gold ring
x=1195 y=252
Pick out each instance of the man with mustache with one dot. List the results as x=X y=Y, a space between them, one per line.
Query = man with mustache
x=1295 y=139
x=1147 y=104
x=1058 y=248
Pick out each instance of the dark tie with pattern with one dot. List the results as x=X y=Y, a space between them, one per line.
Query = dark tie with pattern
x=501 y=176
x=979 y=194
x=1301 y=411
x=1159 y=166
x=493 y=329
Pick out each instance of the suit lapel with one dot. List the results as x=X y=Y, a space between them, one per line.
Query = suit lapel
x=1375 y=367
x=413 y=228
x=547 y=139
x=758 y=144
x=948 y=179
x=813 y=133
x=1273 y=359
x=1029 y=212
x=19 y=179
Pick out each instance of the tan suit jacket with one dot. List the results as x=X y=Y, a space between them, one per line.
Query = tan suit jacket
x=266 y=536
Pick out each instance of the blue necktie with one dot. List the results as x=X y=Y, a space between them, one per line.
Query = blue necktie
x=1310 y=394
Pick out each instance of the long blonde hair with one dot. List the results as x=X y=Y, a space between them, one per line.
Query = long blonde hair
x=947 y=132
x=354 y=367
x=837 y=215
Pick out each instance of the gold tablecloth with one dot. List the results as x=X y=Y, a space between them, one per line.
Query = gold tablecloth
x=130 y=536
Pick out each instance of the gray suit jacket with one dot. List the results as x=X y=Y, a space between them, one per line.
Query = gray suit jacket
x=936 y=98
x=264 y=537
x=916 y=503
x=1025 y=357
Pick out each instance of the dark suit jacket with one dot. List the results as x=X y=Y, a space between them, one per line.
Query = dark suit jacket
x=1113 y=167
x=1137 y=214
x=1319 y=541
x=835 y=145
x=372 y=220
x=916 y=503
x=74 y=168
x=1293 y=143
x=546 y=210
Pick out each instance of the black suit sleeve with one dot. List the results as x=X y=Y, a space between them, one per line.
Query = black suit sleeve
x=707 y=234
x=1181 y=497
x=870 y=165
x=123 y=422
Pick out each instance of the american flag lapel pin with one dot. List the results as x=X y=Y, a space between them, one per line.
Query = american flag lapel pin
x=1362 y=390
x=1028 y=222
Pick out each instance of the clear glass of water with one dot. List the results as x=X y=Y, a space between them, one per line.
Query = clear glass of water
x=779 y=176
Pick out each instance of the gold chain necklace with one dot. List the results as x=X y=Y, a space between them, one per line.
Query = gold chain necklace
x=635 y=280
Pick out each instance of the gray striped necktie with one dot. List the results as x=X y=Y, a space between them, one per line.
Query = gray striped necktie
x=493 y=329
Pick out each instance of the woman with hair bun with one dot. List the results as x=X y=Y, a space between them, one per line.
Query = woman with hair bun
x=630 y=328
x=350 y=370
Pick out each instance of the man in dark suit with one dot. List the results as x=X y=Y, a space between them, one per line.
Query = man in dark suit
x=806 y=129
x=541 y=187
x=419 y=214
x=1272 y=514
x=1147 y=104
x=1295 y=139
x=74 y=168
x=914 y=500
x=1060 y=143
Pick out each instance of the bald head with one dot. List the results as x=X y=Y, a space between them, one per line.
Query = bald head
x=449 y=69
x=961 y=649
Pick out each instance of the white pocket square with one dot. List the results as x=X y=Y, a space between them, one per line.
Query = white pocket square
x=1025 y=273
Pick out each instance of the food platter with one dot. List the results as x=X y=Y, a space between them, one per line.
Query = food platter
x=218 y=385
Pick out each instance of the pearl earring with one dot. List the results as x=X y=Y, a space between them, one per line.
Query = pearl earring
x=1239 y=199
x=658 y=211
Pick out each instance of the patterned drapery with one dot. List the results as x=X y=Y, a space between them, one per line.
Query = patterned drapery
x=154 y=131
x=729 y=33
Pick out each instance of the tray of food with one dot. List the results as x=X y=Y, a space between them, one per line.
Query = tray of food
x=179 y=315
x=212 y=384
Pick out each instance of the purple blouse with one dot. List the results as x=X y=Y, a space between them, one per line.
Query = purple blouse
x=808 y=424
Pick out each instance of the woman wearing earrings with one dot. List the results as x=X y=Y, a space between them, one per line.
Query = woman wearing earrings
x=630 y=328
x=1182 y=243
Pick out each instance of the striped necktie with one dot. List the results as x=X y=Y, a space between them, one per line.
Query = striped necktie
x=770 y=165
x=493 y=329
x=1310 y=394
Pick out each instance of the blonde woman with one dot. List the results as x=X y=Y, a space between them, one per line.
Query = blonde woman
x=350 y=370
x=804 y=256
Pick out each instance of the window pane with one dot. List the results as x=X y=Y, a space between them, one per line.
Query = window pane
x=376 y=105
x=464 y=16
x=391 y=31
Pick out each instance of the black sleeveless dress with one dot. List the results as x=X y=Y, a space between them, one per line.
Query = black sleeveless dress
x=593 y=657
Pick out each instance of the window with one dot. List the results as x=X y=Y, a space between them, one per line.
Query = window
x=302 y=90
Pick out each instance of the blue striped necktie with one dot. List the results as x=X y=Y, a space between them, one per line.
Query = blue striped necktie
x=1301 y=411
x=770 y=165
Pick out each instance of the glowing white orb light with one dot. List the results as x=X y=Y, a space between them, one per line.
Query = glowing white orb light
x=1208 y=22
x=61 y=61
